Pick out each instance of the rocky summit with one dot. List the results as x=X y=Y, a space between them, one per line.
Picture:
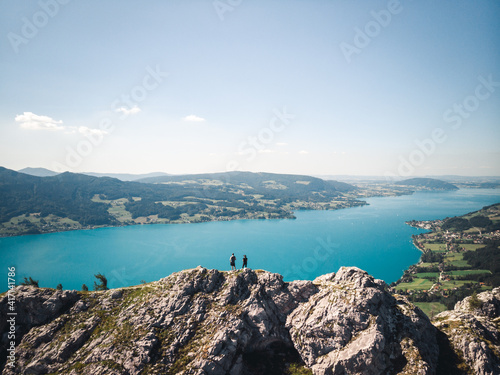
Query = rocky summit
x=204 y=321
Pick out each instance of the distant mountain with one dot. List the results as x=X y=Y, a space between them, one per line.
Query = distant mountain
x=39 y=172
x=260 y=181
x=465 y=179
x=427 y=184
x=127 y=176
x=353 y=178
x=32 y=204
x=43 y=172
x=489 y=185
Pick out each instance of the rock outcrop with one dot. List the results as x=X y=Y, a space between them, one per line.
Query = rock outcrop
x=472 y=330
x=353 y=326
x=203 y=321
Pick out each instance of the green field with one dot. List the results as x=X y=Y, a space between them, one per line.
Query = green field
x=468 y=272
x=417 y=284
x=427 y=274
x=19 y=224
x=430 y=309
x=427 y=264
x=456 y=283
x=119 y=211
x=457 y=260
x=452 y=260
x=471 y=246
x=438 y=247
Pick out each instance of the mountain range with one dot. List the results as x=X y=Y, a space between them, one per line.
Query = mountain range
x=427 y=184
x=43 y=172
x=32 y=204
x=37 y=200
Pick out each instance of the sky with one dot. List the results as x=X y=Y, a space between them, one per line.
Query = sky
x=337 y=87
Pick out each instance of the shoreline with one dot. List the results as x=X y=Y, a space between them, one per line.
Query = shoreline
x=444 y=273
x=392 y=276
x=291 y=216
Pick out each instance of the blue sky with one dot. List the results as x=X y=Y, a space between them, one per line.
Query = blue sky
x=311 y=87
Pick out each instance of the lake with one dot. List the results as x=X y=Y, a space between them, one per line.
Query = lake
x=374 y=238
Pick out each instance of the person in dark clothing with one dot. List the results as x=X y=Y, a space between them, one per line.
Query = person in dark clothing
x=245 y=260
x=232 y=261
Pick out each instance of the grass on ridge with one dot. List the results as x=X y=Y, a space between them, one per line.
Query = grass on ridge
x=430 y=309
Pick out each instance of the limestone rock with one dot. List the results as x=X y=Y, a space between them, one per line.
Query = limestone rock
x=473 y=332
x=33 y=307
x=246 y=322
x=353 y=326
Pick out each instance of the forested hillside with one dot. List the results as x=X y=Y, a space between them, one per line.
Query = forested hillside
x=428 y=184
x=32 y=204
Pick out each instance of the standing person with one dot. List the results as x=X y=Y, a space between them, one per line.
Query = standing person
x=245 y=260
x=232 y=260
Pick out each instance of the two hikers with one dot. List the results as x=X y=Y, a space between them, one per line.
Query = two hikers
x=232 y=261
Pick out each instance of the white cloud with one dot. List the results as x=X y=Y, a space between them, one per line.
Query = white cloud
x=128 y=111
x=193 y=118
x=303 y=152
x=281 y=144
x=28 y=120
x=88 y=131
x=266 y=151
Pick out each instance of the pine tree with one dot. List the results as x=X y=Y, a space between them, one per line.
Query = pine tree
x=30 y=281
x=103 y=284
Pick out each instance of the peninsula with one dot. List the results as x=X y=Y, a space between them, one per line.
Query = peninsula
x=37 y=200
x=460 y=257
x=33 y=205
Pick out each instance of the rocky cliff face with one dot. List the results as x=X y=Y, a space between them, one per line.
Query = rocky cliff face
x=210 y=322
x=472 y=328
x=353 y=326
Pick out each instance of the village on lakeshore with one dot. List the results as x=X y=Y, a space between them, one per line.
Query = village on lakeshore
x=460 y=257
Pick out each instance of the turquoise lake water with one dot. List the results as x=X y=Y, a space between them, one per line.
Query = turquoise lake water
x=374 y=238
